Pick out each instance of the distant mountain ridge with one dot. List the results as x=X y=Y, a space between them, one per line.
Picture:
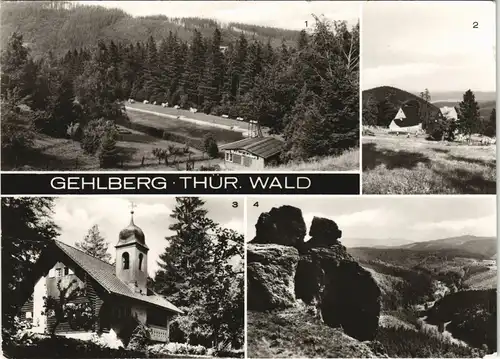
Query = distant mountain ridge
x=396 y=96
x=485 y=247
x=61 y=26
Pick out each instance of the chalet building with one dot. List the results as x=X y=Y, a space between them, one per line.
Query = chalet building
x=118 y=292
x=449 y=113
x=254 y=153
x=406 y=120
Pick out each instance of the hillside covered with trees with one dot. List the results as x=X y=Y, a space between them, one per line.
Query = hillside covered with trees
x=306 y=92
x=381 y=104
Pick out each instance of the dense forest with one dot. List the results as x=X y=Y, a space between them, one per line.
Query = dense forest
x=306 y=92
x=60 y=26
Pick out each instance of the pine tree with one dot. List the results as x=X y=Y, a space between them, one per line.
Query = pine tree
x=109 y=155
x=19 y=72
x=95 y=244
x=468 y=114
x=370 y=112
x=490 y=128
x=184 y=262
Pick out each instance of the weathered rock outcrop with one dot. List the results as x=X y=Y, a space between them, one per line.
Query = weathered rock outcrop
x=271 y=276
x=324 y=233
x=321 y=273
x=284 y=225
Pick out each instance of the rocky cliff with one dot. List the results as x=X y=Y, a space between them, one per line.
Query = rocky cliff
x=284 y=270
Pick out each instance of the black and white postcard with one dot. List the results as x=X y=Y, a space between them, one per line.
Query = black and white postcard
x=107 y=277
x=180 y=86
x=429 y=98
x=371 y=276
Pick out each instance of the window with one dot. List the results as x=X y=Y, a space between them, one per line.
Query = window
x=59 y=272
x=141 y=257
x=229 y=157
x=125 y=260
x=29 y=315
x=66 y=270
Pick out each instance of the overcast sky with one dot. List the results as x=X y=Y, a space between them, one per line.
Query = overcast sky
x=282 y=14
x=76 y=215
x=416 y=45
x=390 y=220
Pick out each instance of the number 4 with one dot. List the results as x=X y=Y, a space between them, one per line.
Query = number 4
x=256 y=204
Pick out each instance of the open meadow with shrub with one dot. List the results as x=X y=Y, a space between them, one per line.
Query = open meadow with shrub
x=400 y=165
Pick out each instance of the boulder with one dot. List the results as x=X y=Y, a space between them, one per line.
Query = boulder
x=324 y=232
x=270 y=276
x=346 y=295
x=284 y=225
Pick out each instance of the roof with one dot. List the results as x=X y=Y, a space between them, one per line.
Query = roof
x=264 y=147
x=104 y=274
x=410 y=115
x=449 y=112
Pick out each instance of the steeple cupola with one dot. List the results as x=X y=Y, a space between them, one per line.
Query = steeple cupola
x=131 y=265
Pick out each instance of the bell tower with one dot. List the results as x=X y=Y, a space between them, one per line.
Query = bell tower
x=131 y=264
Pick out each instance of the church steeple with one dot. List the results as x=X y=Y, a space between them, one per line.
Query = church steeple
x=131 y=256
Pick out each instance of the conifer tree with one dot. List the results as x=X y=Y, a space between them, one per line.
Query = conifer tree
x=490 y=127
x=468 y=114
x=109 y=155
x=95 y=244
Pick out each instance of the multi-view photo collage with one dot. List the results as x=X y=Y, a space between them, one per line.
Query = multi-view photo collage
x=248 y=179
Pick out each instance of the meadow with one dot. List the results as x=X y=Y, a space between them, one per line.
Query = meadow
x=400 y=165
x=347 y=161
x=135 y=147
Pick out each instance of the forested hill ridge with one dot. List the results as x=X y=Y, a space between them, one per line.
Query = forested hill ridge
x=62 y=26
x=466 y=246
x=306 y=92
x=394 y=95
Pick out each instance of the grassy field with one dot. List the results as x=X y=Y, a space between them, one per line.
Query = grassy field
x=65 y=154
x=348 y=161
x=182 y=128
x=400 y=165
x=180 y=112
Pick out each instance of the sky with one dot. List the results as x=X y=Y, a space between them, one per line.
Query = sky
x=389 y=220
x=76 y=215
x=281 y=14
x=415 y=45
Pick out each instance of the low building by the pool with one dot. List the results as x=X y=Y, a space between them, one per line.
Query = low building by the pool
x=254 y=153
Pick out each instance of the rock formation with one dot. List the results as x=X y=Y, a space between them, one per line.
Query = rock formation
x=320 y=272
x=271 y=276
x=284 y=225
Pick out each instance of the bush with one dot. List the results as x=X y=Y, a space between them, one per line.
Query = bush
x=140 y=338
x=178 y=349
x=210 y=146
x=94 y=133
x=109 y=155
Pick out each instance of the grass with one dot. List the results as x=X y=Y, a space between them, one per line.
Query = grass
x=197 y=116
x=65 y=154
x=294 y=333
x=183 y=128
x=400 y=165
x=348 y=161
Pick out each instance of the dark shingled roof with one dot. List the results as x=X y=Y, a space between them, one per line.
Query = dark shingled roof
x=411 y=111
x=104 y=274
x=264 y=147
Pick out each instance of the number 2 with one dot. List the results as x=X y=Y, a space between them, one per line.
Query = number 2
x=475 y=25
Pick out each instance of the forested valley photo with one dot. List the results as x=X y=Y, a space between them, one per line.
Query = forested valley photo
x=88 y=87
